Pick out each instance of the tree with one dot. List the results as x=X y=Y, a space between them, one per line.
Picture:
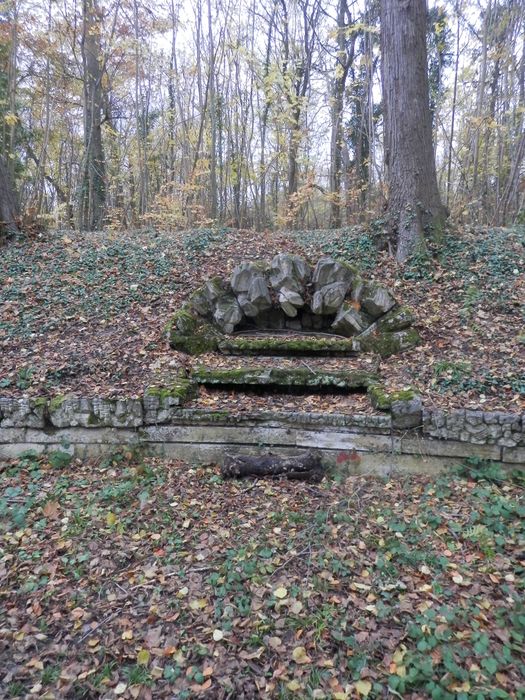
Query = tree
x=8 y=203
x=92 y=197
x=414 y=203
x=344 y=59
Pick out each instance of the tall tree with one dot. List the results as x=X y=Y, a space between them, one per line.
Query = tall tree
x=344 y=58
x=92 y=195
x=414 y=203
x=8 y=203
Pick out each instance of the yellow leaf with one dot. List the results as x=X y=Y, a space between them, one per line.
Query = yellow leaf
x=218 y=635
x=293 y=686
x=143 y=657
x=399 y=654
x=280 y=592
x=296 y=607
x=127 y=634
x=340 y=695
x=183 y=592
x=300 y=656
x=111 y=519
x=363 y=688
x=198 y=604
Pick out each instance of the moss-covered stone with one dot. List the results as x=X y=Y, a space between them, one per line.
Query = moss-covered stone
x=270 y=345
x=383 y=400
x=184 y=322
x=56 y=402
x=386 y=344
x=283 y=377
x=398 y=319
x=178 y=391
x=203 y=338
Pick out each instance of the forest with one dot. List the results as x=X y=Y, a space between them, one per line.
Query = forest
x=262 y=333
x=124 y=114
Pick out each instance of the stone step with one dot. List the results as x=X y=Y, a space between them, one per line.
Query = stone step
x=280 y=377
x=307 y=345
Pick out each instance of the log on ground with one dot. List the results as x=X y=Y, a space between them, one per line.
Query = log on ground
x=302 y=467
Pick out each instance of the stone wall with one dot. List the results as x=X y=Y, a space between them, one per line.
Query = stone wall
x=407 y=436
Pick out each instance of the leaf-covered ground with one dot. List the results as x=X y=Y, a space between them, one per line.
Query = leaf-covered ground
x=85 y=314
x=132 y=578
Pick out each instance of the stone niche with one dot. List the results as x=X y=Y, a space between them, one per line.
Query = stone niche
x=327 y=309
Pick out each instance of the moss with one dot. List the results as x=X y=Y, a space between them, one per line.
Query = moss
x=283 y=377
x=40 y=402
x=56 y=402
x=180 y=390
x=383 y=400
x=94 y=420
x=203 y=337
x=386 y=344
x=193 y=344
x=287 y=346
x=396 y=320
x=184 y=322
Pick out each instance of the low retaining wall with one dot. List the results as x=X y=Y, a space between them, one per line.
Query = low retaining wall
x=407 y=437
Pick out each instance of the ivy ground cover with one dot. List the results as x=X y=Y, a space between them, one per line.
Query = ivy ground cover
x=135 y=579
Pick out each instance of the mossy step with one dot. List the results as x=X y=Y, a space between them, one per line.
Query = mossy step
x=268 y=345
x=301 y=377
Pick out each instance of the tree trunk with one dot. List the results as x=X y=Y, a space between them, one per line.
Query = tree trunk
x=414 y=204
x=8 y=203
x=305 y=467
x=345 y=56
x=92 y=198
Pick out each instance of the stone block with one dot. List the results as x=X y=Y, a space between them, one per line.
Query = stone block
x=71 y=412
x=22 y=413
x=118 y=413
x=407 y=414
x=515 y=456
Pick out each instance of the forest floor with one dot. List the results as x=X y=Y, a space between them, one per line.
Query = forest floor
x=85 y=314
x=139 y=579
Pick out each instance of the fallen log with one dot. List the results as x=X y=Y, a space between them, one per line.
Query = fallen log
x=303 y=467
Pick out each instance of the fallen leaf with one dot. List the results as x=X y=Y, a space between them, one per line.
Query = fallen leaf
x=363 y=687
x=300 y=656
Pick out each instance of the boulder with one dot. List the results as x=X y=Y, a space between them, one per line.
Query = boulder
x=290 y=272
x=376 y=300
x=256 y=298
x=243 y=276
x=328 y=299
x=259 y=294
x=329 y=271
x=290 y=301
x=213 y=289
x=227 y=313
x=349 y=321
x=200 y=303
x=396 y=320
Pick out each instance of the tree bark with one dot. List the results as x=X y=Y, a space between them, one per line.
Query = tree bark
x=414 y=203
x=304 y=467
x=8 y=203
x=345 y=57
x=92 y=196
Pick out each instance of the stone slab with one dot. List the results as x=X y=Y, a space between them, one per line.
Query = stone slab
x=82 y=436
x=8 y=435
x=447 y=448
x=514 y=456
